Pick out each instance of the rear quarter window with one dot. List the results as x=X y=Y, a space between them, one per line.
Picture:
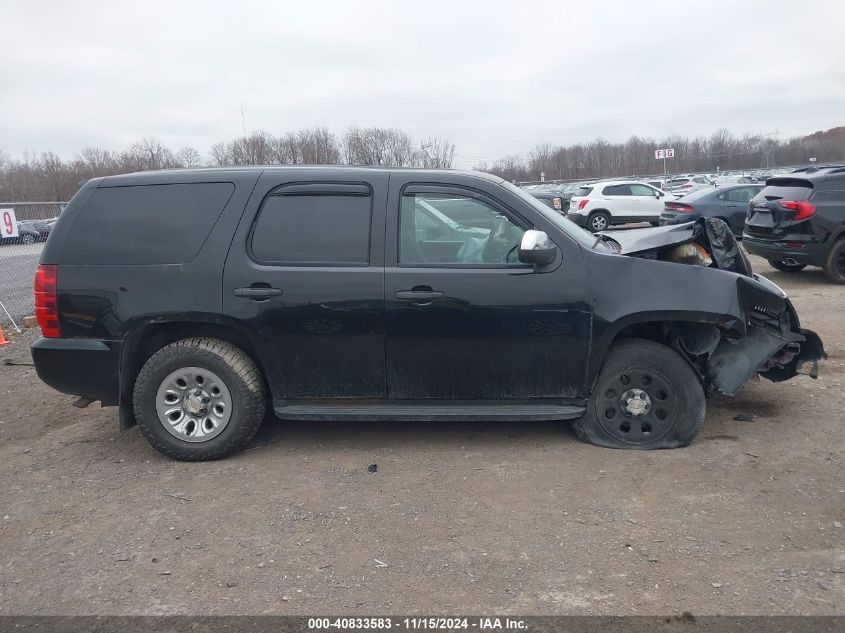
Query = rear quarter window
x=583 y=192
x=146 y=224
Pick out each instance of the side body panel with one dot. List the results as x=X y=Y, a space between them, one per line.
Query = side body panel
x=496 y=333
x=323 y=335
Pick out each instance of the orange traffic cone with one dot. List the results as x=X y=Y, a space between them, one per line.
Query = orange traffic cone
x=3 y=339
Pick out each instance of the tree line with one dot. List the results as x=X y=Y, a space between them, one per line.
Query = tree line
x=719 y=151
x=47 y=177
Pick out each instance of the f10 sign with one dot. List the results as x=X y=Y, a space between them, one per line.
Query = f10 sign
x=668 y=152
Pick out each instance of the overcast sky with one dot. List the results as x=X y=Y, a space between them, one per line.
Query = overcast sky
x=494 y=77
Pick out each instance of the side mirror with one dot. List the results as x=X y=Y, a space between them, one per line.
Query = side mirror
x=658 y=194
x=536 y=248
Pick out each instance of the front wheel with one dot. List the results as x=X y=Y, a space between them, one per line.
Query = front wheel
x=199 y=399
x=598 y=221
x=27 y=238
x=834 y=265
x=646 y=397
x=786 y=267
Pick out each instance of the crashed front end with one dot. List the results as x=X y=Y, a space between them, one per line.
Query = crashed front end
x=768 y=340
x=753 y=329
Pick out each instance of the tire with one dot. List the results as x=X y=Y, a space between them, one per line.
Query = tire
x=654 y=223
x=598 y=221
x=204 y=425
x=28 y=238
x=784 y=267
x=619 y=416
x=834 y=263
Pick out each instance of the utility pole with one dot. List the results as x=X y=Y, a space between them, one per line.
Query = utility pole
x=767 y=149
x=243 y=120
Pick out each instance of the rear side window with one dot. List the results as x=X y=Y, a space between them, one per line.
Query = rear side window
x=741 y=194
x=146 y=224
x=617 y=190
x=583 y=192
x=314 y=224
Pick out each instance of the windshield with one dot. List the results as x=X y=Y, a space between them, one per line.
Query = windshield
x=582 y=236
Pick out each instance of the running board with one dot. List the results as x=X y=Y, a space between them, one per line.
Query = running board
x=424 y=412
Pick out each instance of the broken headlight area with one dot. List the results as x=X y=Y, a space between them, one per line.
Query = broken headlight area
x=768 y=340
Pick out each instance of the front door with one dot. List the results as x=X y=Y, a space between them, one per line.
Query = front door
x=465 y=319
x=304 y=280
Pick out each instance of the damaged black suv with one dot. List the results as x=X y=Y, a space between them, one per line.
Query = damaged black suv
x=196 y=299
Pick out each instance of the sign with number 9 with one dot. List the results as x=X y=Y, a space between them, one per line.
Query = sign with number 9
x=9 y=226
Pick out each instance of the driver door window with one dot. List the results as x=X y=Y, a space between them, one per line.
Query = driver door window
x=452 y=229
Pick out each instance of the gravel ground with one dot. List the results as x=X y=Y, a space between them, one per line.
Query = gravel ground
x=468 y=517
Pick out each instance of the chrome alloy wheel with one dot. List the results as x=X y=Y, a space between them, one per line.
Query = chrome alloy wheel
x=194 y=404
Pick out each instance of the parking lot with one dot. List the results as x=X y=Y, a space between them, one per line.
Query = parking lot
x=17 y=269
x=462 y=517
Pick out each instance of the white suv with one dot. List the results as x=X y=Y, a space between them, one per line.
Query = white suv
x=598 y=205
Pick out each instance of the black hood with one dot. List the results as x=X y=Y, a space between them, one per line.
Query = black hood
x=712 y=234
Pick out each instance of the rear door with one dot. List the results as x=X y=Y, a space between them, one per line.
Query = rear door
x=645 y=202
x=767 y=217
x=619 y=200
x=305 y=280
x=735 y=205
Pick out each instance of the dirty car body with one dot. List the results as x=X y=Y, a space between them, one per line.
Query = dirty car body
x=395 y=294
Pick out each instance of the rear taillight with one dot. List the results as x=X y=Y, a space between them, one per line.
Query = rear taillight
x=582 y=204
x=46 y=309
x=678 y=207
x=687 y=186
x=803 y=209
x=556 y=204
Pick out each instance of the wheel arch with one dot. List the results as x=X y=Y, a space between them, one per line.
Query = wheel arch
x=144 y=340
x=690 y=334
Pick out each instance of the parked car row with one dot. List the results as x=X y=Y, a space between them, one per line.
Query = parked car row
x=31 y=231
x=602 y=204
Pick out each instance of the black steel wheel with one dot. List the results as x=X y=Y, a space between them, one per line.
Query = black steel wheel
x=646 y=396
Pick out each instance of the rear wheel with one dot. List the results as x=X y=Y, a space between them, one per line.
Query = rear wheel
x=834 y=265
x=785 y=267
x=199 y=399
x=27 y=238
x=646 y=397
x=598 y=221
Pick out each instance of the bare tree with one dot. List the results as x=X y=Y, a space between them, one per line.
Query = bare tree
x=189 y=157
x=437 y=153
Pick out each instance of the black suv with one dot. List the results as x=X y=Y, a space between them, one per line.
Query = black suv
x=195 y=299
x=799 y=220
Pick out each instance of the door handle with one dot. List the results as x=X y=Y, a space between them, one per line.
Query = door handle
x=419 y=297
x=258 y=293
